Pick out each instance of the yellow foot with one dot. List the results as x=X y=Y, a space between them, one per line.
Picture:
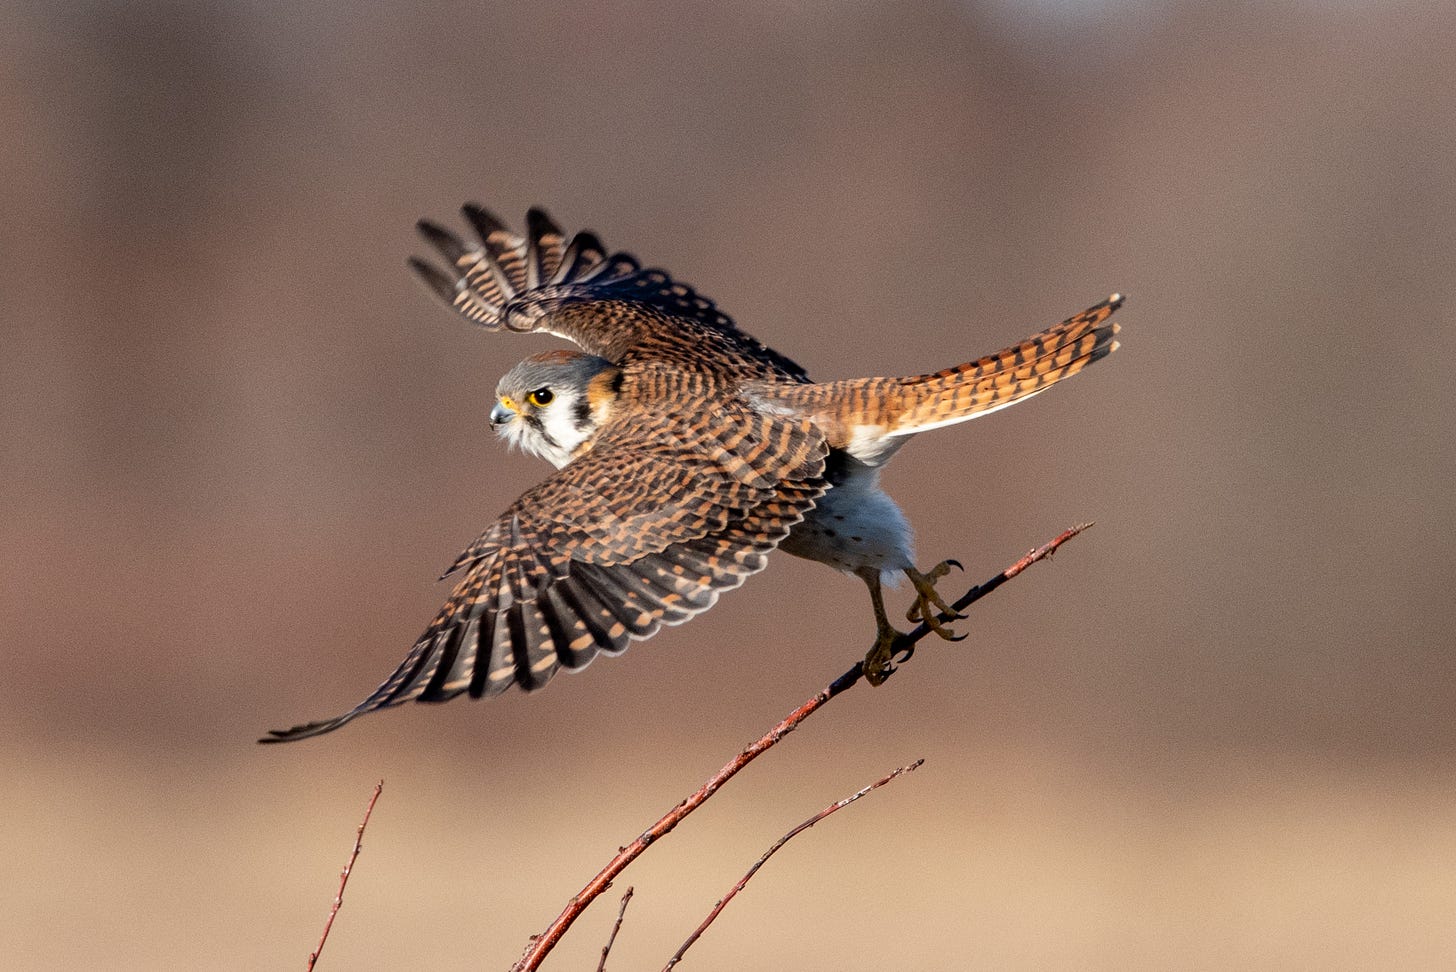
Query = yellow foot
x=878 y=663
x=929 y=608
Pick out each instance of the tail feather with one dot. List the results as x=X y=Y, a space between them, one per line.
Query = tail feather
x=1009 y=376
x=868 y=417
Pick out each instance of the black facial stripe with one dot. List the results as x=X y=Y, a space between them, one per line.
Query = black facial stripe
x=581 y=411
x=540 y=428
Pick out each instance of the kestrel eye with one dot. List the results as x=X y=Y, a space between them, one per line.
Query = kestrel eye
x=541 y=397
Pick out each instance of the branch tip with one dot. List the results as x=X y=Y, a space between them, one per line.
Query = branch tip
x=616 y=927
x=344 y=876
x=743 y=881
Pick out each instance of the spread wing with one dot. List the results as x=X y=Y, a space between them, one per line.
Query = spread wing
x=606 y=303
x=639 y=532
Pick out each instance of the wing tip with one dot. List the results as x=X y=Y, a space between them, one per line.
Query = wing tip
x=439 y=283
x=305 y=730
x=539 y=223
x=485 y=223
x=449 y=245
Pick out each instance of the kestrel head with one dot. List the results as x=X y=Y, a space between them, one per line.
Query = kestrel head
x=552 y=403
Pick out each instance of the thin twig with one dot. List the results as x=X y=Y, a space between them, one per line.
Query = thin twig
x=607 y=948
x=743 y=881
x=344 y=875
x=904 y=646
x=541 y=945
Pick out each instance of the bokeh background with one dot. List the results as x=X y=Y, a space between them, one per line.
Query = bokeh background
x=239 y=441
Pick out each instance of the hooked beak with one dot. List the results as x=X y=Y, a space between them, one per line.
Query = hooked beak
x=500 y=415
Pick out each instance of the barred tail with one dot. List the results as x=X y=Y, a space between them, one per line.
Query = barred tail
x=1010 y=375
x=868 y=417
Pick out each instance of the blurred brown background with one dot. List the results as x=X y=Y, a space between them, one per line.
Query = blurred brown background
x=238 y=443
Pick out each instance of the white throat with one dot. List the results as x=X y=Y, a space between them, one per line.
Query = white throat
x=553 y=433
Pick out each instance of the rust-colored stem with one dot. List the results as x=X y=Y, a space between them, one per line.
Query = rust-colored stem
x=743 y=881
x=344 y=875
x=541 y=945
x=616 y=927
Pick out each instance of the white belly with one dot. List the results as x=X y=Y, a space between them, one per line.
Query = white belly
x=854 y=525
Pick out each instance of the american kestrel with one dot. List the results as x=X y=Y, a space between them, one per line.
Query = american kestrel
x=686 y=452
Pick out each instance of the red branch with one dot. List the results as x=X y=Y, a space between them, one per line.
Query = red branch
x=743 y=881
x=344 y=875
x=607 y=948
x=541 y=945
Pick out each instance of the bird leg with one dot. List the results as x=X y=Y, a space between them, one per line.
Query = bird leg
x=929 y=608
x=877 y=665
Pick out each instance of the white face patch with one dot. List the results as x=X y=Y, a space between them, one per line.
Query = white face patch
x=552 y=431
x=542 y=404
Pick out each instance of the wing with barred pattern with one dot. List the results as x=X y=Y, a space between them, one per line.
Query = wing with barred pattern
x=606 y=303
x=627 y=538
